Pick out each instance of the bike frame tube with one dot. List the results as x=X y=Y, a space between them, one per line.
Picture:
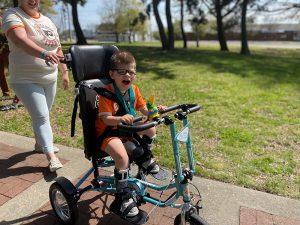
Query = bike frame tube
x=179 y=177
x=87 y=174
x=189 y=147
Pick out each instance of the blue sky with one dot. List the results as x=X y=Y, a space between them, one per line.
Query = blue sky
x=89 y=14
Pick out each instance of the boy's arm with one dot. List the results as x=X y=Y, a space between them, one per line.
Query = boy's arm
x=110 y=120
x=144 y=110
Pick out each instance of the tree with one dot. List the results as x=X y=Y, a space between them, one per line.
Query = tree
x=181 y=24
x=245 y=48
x=131 y=17
x=162 y=34
x=79 y=33
x=170 y=25
x=198 y=17
x=222 y=9
x=196 y=22
x=125 y=17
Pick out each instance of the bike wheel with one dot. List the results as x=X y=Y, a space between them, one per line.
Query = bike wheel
x=192 y=219
x=63 y=204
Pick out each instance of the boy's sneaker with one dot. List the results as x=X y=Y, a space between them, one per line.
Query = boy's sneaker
x=133 y=211
x=55 y=164
x=38 y=148
x=151 y=166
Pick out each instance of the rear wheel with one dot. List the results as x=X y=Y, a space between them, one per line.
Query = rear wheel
x=63 y=204
x=192 y=219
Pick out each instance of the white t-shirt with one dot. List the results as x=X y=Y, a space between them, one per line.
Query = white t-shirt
x=25 y=68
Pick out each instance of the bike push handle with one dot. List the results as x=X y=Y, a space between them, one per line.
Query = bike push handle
x=185 y=109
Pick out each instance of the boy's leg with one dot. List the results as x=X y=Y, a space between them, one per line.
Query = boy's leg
x=147 y=160
x=123 y=203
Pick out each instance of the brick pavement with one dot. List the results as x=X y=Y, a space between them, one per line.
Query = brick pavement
x=19 y=170
x=250 y=216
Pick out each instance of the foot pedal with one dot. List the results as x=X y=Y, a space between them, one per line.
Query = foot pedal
x=161 y=175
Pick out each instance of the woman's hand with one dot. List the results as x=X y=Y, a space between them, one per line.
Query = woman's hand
x=65 y=78
x=51 y=57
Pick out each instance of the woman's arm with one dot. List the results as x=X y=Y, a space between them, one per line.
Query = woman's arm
x=64 y=70
x=19 y=37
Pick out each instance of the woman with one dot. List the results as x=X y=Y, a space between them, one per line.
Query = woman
x=34 y=56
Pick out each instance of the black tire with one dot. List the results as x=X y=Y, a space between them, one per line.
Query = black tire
x=66 y=210
x=192 y=219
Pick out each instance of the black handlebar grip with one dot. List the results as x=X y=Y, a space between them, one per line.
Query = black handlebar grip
x=169 y=109
x=136 y=128
x=195 y=108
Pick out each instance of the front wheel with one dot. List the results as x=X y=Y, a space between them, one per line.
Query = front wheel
x=191 y=219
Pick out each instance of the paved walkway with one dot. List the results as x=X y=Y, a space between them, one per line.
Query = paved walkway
x=25 y=181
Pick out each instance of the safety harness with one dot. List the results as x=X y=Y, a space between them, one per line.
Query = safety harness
x=124 y=108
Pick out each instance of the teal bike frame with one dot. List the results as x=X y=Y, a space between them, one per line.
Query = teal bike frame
x=179 y=181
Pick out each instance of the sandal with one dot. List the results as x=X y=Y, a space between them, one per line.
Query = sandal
x=8 y=107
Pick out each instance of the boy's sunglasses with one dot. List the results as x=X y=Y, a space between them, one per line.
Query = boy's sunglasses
x=123 y=72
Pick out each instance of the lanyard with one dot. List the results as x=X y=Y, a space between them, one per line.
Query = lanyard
x=128 y=108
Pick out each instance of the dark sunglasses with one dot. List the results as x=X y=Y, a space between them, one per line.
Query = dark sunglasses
x=123 y=72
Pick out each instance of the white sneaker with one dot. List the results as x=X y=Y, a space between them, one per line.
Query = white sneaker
x=37 y=148
x=155 y=168
x=55 y=164
x=133 y=212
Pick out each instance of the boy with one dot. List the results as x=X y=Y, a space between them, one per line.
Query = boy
x=123 y=73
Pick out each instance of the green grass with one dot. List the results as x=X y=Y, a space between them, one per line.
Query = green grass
x=248 y=132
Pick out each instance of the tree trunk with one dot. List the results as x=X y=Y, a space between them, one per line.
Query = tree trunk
x=170 y=25
x=181 y=25
x=161 y=30
x=117 y=37
x=245 y=49
x=79 y=34
x=15 y=3
x=220 y=28
x=129 y=37
x=197 y=36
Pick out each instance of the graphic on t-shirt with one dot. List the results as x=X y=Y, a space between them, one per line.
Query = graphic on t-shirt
x=48 y=34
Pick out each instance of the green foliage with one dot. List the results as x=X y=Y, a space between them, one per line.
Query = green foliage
x=126 y=16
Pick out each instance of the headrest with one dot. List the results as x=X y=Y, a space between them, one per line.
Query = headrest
x=90 y=61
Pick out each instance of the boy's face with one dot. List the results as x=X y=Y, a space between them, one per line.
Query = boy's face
x=123 y=75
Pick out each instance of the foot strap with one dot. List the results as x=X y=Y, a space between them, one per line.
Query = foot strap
x=128 y=208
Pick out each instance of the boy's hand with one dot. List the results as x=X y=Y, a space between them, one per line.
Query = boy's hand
x=161 y=107
x=128 y=119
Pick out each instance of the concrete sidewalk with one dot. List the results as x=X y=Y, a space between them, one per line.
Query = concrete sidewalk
x=25 y=181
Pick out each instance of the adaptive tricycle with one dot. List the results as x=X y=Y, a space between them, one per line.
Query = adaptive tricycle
x=88 y=63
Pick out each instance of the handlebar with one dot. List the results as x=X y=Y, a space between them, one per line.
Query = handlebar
x=185 y=109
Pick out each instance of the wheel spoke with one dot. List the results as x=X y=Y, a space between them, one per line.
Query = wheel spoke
x=61 y=205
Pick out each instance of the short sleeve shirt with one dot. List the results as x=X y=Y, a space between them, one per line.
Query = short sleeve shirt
x=25 y=68
x=109 y=107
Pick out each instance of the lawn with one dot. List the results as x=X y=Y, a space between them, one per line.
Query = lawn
x=248 y=132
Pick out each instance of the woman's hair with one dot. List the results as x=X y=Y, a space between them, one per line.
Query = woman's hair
x=121 y=58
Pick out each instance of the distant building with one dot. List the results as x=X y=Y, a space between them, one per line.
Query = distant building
x=260 y=32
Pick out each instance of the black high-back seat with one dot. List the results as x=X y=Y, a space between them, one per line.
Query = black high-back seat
x=90 y=66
